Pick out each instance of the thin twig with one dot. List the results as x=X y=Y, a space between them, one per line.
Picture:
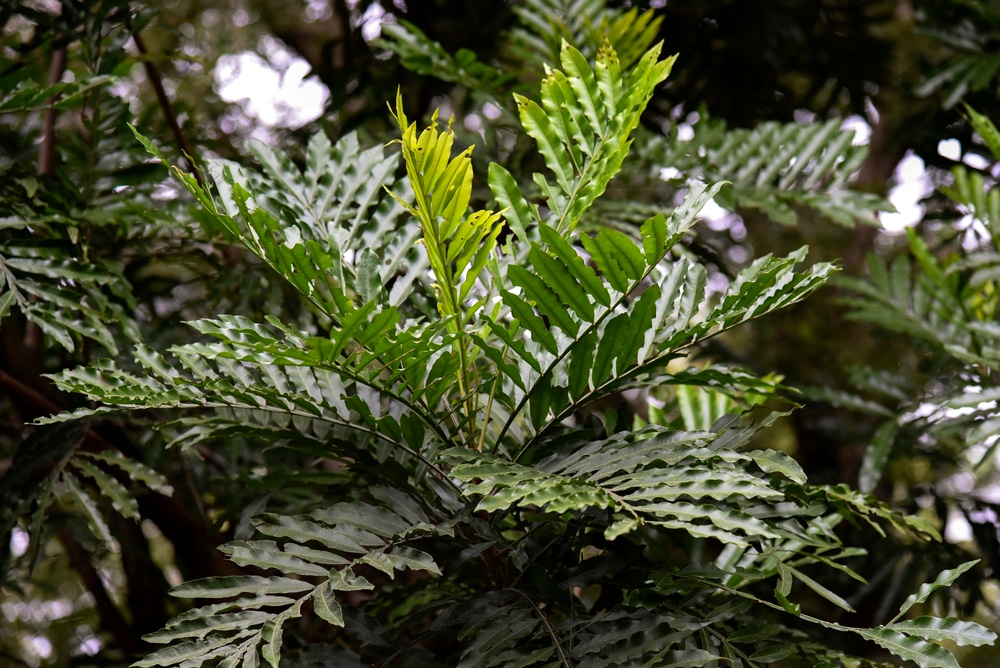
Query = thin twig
x=195 y=495
x=548 y=627
x=153 y=72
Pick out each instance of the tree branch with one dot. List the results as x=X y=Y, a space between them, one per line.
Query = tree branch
x=153 y=72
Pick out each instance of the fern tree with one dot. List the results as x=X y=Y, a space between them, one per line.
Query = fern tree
x=477 y=507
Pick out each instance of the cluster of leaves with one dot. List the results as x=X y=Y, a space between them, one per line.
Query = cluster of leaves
x=777 y=166
x=48 y=272
x=774 y=167
x=945 y=300
x=437 y=480
x=971 y=65
x=534 y=43
x=95 y=254
x=53 y=276
x=455 y=410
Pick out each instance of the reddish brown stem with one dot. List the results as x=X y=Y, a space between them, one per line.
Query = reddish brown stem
x=47 y=153
x=153 y=72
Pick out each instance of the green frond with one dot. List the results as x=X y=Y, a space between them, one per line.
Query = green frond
x=87 y=505
x=472 y=445
x=947 y=629
x=593 y=356
x=909 y=648
x=661 y=478
x=111 y=488
x=973 y=69
x=499 y=631
x=281 y=376
x=984 y=126
x=776 y=167
x=27 y=96
x=321 y=226
x=584 y=124
x=944 y=579
x=459 y=244
x=66 y=297
x=933 y=307
x=344 y=536
x=585 y=24
x=420 y=54
x=969 y=190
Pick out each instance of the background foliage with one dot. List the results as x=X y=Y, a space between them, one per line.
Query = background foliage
x=103 y=251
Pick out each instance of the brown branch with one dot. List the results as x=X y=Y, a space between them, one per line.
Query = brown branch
x=30 y=398
x=31 y=404
x=47 y=152
x=153 y=72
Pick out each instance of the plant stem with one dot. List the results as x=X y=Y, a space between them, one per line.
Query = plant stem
x=47 y=152
x=168 y=109
x=563 y=659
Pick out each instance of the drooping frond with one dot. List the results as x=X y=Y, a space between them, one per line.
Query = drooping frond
x=658 y=477
x=68 y=298
x=322 y=549
x=50 y=467
x=343 y=383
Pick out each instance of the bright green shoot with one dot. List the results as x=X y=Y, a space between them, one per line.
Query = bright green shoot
x=458 y=245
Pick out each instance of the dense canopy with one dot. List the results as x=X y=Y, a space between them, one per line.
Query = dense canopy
x=547 y=333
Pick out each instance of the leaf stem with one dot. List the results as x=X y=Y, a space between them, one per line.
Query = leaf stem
x=563 y=659
x=153 y=72
x=489 y=409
